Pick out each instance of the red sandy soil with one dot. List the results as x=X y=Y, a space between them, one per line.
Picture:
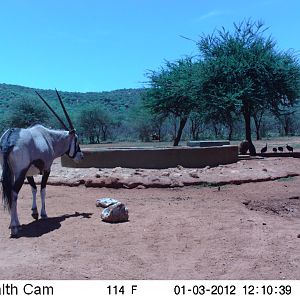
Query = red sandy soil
x=239 y=221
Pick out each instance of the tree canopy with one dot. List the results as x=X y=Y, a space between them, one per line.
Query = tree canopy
x=94 y=124
x=174 y=91
x=244 y=72
x=25 y=113
x=239 y=73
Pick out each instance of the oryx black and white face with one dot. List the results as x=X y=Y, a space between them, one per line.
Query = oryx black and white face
x=74 y=151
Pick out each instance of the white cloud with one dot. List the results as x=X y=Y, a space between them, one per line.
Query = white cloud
x=212 y=14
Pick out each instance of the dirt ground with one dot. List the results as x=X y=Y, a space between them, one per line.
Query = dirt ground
x=213 y=223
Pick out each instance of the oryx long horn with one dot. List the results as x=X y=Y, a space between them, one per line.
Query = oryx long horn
x=65 y=111
x=55 y=114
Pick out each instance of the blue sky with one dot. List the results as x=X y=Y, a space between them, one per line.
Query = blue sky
x=90 y=45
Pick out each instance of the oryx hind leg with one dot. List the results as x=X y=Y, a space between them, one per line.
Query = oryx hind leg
x=15 y=223
x=14 y=220
x=34 y=210
x=43 y=194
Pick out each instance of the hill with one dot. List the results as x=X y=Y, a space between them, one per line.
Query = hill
x=118 y=101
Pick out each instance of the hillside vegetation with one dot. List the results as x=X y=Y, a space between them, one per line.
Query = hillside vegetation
x=117 y=101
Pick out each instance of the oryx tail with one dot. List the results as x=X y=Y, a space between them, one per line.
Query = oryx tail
x=7 y=175
x=6 y=182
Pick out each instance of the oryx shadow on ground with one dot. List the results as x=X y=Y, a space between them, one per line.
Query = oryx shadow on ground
x=43 y=226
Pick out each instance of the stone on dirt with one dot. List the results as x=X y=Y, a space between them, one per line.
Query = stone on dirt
x=106 y=202
x=115 y=213
x=244 y=147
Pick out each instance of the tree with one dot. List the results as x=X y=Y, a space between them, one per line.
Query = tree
x=258 y=114
x=286 y=118
x=196 y=121
x=173 y=92
x=142 y=124
x=94 y=123
x=220 y=114
x=244 y=72
x=145 y=123
x=25 y=113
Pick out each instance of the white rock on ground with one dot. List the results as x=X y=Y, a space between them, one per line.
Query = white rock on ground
x=106 y=202
x=115 y=213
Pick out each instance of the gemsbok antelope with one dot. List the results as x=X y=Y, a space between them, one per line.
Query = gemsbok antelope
x=25 y=152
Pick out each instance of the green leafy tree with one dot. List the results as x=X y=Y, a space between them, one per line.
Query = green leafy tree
x=94 y=124
x=173 y=91
x=24 y=113
x=287 y=120
x=244 y=72
x=196 y=122
x=145 y=123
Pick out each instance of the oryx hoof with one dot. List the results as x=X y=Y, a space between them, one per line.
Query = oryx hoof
x=35 y=214
x=14 y=231
x=44 y=216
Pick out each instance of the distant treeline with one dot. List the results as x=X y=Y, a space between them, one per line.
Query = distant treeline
x=119 y=116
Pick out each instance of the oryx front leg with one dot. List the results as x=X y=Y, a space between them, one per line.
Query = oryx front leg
x=34 y=211
x=43 y=194
x=43 y=210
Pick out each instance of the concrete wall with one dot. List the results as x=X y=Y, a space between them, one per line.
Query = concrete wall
x=208 y=143
x=154 y=158
x=280 y=154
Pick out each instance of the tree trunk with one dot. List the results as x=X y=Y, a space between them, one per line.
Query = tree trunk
x=97 y=139
x=180 y=130
x=258 y=134
x=257 y=121
x=159 y=134
x=104 y=132
x=174 y=127
x=196 y=135
x=216 y=130
x=257 y=128
x=247 y=118
x=286 y=125
x=230 y=131
x=195 y=129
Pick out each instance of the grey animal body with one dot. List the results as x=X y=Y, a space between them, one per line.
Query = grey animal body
x=25 y=152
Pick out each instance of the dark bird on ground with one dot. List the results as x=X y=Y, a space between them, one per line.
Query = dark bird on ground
x=264 y=149
x=290 y=148
x=274 y=149
x=280 y=149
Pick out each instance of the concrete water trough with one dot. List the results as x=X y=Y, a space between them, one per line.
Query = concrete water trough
x=154 y=157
